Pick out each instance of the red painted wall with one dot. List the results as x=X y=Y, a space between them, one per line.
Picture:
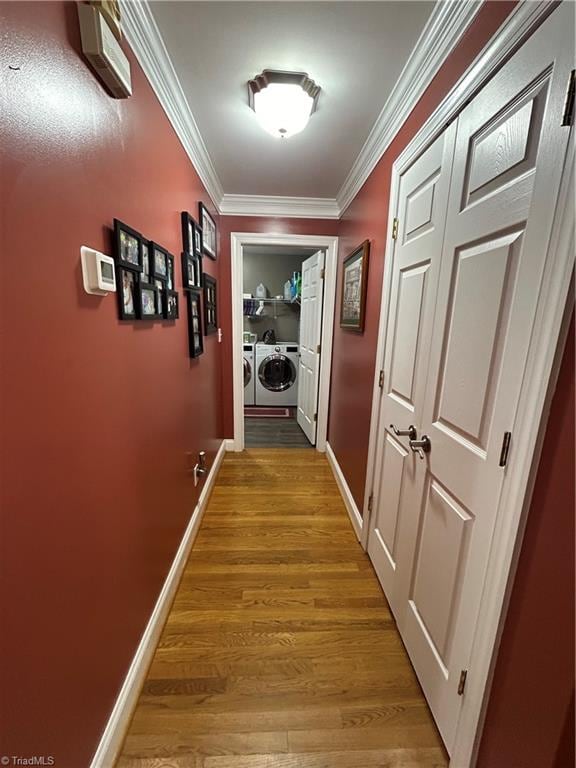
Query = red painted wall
x=530 y=716
x=96 y=414
x=354 y=356
x=275 y=226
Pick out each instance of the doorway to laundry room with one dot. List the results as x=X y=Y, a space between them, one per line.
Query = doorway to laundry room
x=282 y=328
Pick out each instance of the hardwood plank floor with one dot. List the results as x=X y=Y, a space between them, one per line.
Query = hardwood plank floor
x=280 y=650
x=273 y=433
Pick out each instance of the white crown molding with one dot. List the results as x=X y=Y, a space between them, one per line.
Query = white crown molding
x=293 y=207
x=446 y=25
x=144 y=37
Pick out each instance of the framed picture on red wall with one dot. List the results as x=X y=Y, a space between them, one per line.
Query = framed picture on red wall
x=195 y=331
x=209 y=234
x=354 y=286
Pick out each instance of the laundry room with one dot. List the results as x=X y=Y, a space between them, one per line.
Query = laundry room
x=272 y=306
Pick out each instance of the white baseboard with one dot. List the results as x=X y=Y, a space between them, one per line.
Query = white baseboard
x=115 y=731
x=350 y=504
x=230 y=444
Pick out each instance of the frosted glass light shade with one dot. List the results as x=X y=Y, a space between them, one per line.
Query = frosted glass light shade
x=283 y=101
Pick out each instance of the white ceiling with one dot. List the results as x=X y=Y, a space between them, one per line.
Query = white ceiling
x=354 y=50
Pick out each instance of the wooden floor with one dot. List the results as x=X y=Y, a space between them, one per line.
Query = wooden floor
x=274 y=433
x=280 y=650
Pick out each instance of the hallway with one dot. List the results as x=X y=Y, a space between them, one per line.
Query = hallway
x=280 y=650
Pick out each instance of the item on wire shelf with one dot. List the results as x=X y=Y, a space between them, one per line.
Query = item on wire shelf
x=287 y=290
x=261 y=291
x=269 y=336
x=260 y=310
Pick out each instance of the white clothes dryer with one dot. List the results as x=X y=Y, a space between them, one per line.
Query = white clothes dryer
x=277 y=374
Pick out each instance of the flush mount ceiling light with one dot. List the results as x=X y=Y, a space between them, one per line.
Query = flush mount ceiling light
x=283 y=101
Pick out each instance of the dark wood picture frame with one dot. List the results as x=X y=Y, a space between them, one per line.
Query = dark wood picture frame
x=123 y=233
x=122 y=292
x=354 y=288
x=210 y=304
x=209 y=232
x=195 y=330
x=189 y=225
x=170 y=305
x=171 y=276
x=153 y=251
x=143 y=288
x=191 y=271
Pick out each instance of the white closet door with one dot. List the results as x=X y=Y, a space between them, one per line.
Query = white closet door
x=510 y=148
x=423 y=195
x=310 y=337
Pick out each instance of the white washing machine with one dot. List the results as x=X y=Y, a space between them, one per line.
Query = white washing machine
x=249 y=375
x=277 y=374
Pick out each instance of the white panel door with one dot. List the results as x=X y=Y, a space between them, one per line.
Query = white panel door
x=510 y=148
x=310 y=337
x=423 y=195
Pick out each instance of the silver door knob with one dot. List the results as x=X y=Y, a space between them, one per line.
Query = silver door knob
x=421 y=446
x=410 y=432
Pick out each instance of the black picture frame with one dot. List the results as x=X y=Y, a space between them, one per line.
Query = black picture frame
x=143 y=302
x=188 y=227
x=210 y=305
x=127 y=254
x=170 y=305
x=159 y=261
x=195 y=330
x=126 y=290
x=209 y=232
x=354 y=289
x=191 y=271
x=171 y=278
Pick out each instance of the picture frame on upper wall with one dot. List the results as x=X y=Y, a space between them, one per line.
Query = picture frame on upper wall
x=209 y=232
x=354 y=289
x=129 y=247
x=170 y=301
x=195 y=330
x=189 y=227
x=159 y=262
x=148 y=302
x=210 y=305
x=126 y=290
x=191 y=271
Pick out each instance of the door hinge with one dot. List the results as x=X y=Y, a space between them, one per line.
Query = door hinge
x=395 y=229
x=505 y=449
x=318 y=348
x=462 y=682
x=322 y=273
x=381 y=380
x=315 y=417
x=370 y=502
x=568 y=111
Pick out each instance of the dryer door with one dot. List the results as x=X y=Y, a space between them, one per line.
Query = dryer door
x=247 y=372
x=277 y=373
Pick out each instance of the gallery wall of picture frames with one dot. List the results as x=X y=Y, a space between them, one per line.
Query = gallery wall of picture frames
x=145 y=277
x=197 y=242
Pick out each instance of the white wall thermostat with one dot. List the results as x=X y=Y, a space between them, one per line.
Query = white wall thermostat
x=97 y=272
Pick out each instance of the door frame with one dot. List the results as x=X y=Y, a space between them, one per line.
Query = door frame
x=553 y=312
x=327 y=243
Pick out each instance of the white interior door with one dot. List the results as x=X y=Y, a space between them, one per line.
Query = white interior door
x=310 y=336
x=423 y=196
x=508 y=159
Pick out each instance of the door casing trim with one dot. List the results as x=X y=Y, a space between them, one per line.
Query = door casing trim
x=321 y=242
x=548 y=338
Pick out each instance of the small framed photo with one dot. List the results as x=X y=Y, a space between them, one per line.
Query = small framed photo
x=145 y=275
x=128 y=247
x=195 y=333
x=189 y=227
x=126 y=290
x=210 y=305
x=149 y=305
x=191 y=271
x=170 y=304
x=209 y=234
x=354 y=287
x=160 y=288
x=170 y=276
x=158 y=261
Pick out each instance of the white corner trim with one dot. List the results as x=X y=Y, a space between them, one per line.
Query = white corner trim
x=229 y=444
x=294 y=207
x=446 y=25
x=115 y=731
x=146 y=41
x=346 y=493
